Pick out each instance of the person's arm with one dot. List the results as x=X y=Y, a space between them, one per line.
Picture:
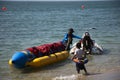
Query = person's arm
x=74 y=56
x=74 y=36
x=91 y=42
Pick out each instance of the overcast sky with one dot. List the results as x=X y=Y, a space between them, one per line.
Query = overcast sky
x=56 y=0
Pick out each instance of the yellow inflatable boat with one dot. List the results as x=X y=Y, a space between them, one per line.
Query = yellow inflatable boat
x=43 y=61
x=39 y=56
x=46 y=60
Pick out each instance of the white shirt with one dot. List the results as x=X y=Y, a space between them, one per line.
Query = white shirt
x=79 y=53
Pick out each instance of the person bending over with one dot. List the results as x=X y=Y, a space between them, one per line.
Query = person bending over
x=68 y=38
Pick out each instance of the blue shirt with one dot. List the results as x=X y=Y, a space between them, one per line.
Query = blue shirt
x=73 y=36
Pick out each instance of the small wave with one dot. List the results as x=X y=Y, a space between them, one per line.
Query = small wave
x=68 y=77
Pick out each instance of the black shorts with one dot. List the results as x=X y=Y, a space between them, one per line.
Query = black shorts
x=80 y=66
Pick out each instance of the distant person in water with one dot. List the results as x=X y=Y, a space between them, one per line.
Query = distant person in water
x=78 y=58
x=68 y=38
x=87 y=43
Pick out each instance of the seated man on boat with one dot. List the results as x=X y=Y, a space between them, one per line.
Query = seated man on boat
x=87 y=43
x=92 y=48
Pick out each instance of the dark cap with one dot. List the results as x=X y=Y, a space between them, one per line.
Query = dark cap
x=71 y=30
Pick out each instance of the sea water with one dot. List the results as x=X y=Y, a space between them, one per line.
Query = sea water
x=27 y=24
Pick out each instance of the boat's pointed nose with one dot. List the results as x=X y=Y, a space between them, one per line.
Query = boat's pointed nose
x=19 y=59
x=13 y=62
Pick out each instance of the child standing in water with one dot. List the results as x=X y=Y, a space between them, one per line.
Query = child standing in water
x=78 y=58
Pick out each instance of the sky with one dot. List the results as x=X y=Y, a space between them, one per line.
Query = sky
x=56 y=0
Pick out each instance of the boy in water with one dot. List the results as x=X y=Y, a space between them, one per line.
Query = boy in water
x=78 y=58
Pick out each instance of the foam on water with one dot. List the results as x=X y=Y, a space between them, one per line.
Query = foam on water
x=69 y=77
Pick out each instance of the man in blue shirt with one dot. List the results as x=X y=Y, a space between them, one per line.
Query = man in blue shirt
x=68 y=38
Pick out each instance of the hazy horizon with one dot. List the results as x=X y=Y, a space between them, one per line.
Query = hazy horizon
x=59 y=0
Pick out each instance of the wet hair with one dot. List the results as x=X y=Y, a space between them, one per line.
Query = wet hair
x=87 y=34
x=78 y=45
x=71 y=30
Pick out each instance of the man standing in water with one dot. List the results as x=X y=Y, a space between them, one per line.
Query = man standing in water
x=68 y=38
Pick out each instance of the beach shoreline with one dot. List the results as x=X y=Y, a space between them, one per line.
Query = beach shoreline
x=112 y=74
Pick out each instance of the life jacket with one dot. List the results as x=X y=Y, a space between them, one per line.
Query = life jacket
x=47 y=49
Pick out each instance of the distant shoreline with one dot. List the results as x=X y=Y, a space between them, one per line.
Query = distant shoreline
x=60 y=1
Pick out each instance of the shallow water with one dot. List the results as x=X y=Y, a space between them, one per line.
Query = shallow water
x=36 y=23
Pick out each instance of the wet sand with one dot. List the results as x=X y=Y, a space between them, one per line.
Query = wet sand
x=113 y=74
